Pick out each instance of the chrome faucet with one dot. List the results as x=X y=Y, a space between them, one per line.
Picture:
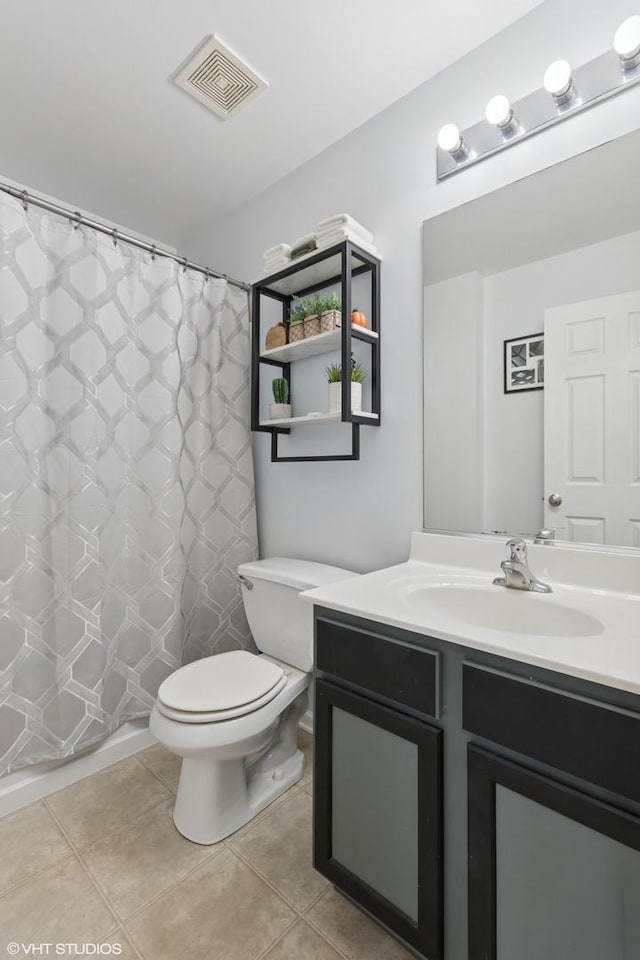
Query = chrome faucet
x=516 y=569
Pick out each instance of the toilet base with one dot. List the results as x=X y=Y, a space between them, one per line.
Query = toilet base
x=238 y=795
x=217 y=796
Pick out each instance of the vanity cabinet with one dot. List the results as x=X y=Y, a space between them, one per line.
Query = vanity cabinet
x=554 y=869
x=378 y=779
x=478 y=807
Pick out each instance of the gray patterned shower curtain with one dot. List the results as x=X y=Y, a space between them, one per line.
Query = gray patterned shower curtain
x=126 y=479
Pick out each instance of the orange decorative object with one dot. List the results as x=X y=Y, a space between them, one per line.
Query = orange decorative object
x=359 y=318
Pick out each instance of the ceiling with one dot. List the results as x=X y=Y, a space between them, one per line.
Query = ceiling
x=88 y=112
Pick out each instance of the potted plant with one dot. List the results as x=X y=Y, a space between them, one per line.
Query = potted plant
x=296 y=321
x=334 y=376
x=281 y=409
x=312 y=319
x=331 y=314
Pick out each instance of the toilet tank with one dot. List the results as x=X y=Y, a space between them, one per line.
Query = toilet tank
x=282 y=623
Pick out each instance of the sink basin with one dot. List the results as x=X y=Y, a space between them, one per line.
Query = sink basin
x=499 y=608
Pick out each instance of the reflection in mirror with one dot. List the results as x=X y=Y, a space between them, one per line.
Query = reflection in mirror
x=532 y=355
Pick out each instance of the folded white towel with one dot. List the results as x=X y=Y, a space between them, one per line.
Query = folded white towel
x=343 y=233
x=343 y=220
x=269 y=268
x=303 y=241
x=278 y=249
x=276 y=260
x=329 y=239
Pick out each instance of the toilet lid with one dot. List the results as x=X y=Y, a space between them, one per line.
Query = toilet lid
x=224 y=682
x=213 y=716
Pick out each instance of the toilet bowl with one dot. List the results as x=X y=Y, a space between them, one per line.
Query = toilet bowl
x=233 y=717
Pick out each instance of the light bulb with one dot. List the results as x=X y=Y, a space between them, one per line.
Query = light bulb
x=499 y=112
x=449 y=138
x=557 y=79
x=626 y=42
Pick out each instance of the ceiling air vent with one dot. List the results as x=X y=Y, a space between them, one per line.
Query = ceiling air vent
x=219 y=79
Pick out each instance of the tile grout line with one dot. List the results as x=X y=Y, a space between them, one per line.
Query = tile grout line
x=219 y=848
x=164 y=782
x=33 y=876
x=327 y=938
x=122 y=933
x=89 y=843
x=87 y=873
x=266 y=881
x=272 y=946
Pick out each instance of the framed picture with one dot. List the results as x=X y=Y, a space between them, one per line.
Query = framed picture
x=524 y=363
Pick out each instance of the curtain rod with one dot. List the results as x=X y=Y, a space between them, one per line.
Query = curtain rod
x=78 y=219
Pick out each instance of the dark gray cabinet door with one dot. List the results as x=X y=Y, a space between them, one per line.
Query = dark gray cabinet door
x=553 y=872
x=378 y=812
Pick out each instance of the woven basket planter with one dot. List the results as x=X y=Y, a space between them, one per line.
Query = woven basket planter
x=296 y=332
x=312 y=326
x=330 y=320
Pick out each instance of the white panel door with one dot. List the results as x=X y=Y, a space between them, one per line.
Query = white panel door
x=592 y=420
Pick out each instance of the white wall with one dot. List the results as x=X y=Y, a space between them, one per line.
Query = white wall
x=360 y=514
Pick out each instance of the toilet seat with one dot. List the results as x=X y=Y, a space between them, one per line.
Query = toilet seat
x=220 y=687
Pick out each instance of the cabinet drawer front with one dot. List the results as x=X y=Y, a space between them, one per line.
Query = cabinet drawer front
x=393 y=669
x=592 y=741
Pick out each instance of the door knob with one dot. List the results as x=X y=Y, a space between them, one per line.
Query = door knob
x=555 y=500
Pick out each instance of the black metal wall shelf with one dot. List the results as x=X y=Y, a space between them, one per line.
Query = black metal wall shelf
x=335 y=265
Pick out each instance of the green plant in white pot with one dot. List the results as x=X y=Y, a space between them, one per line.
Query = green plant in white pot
x=281 y=408
x=334 y=376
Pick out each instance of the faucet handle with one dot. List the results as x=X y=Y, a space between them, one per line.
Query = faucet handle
x=546 y=535
x=516 y=550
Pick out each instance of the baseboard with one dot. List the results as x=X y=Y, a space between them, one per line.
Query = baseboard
x=30 y=784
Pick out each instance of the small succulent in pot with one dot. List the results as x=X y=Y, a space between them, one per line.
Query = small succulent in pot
x=281 y=408
x=358 y=372
x=334 y=376
x=280 y=389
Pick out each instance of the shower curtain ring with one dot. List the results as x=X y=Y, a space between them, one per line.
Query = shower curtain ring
x=153 y=252
x=76 y=219
x=25 y=199
x=114 y=237
x=184 y=264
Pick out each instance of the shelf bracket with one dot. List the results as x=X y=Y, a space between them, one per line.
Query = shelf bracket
x=354 y=455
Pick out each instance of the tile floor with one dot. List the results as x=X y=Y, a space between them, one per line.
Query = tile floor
x=101 y=862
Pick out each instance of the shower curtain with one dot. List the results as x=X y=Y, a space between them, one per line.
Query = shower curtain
x=126 y=479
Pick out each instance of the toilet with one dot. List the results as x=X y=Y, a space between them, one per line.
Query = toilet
x=233 y=717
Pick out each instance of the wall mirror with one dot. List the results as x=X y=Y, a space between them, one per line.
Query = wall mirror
x=532 y=355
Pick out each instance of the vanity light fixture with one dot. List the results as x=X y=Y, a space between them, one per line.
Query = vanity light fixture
x=500 y=114
x=449 y=139
x=626 y=43
x=565 y=91
x=559 y=83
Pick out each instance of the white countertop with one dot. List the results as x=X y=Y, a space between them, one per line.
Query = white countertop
x=604 y=585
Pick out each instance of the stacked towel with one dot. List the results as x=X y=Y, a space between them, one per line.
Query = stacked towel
x=337 y=236
x=303 y=245
x=343 y=227
x=276 y=258
x=342 y=221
